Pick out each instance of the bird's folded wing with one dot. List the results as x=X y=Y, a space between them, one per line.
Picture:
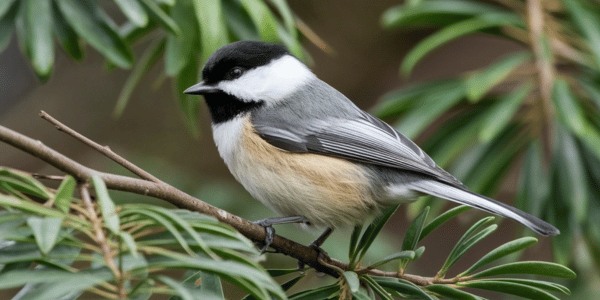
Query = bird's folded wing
x=364 y=139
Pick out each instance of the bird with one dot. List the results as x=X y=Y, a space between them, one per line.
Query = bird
x=306 y=151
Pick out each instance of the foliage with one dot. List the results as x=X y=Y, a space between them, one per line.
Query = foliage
x=183 y=33
x=500 y=278
x=540 y=104
x=537 y=108
x=60 y=246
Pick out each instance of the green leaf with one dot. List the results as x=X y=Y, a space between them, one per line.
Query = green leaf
x=133 y=11
x=413 y=233
x=88 y=20
x=178 y=288
x=433 y=12
x=281 y=272
x=529 y=267
x=290 y=283
x=250 y=277
x=501 y=251
x=6 y=29
x=571 y=178
x=481 y=166
x=511 y=288
x=353 y=249
x=377 y=288
x=287 y=15
x=147 y=60
x=37 y=24
x=441 y=219
x=372 y=231
x=64 y=194
x=262 y=18
x=190 y=106
x=324 y=292
x=180 y=49
x=451 y=293
x=475 y=24
x=23 y=183
x=65 y=34
x=533 y=182
x=480 y=83
x=164 y=222
x=402 y=286
x=213 y=33
x=5 y=6
x=181 y=223
x=107 y=206
x=404 y=255
x=352 y=280
x=431 y=105
x=572 y=115
x=398 y=101
x=500 y=114
x=544 y=285
x=210 y=286
x=62 y=282
x=588 y=24
x=130 y=243
x=472 y=236
x=161 y=16
x=35 y=208
x=239 y=23
x=45 y=232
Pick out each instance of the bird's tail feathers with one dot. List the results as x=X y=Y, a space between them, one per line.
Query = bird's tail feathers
x=465 y=197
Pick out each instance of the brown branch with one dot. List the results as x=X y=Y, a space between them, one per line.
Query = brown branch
x=545 y=66
x=100 y=239
x=105 y=150
x=166 y=192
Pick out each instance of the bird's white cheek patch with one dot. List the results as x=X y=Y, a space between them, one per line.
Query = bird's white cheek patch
x=270 y=83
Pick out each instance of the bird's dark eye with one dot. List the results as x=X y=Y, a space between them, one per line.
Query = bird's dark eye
x=235 y=73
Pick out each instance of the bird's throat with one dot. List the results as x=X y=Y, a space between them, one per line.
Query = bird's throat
x=224 y=107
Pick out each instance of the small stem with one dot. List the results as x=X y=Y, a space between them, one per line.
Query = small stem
x=100 y=238
x=105 y=150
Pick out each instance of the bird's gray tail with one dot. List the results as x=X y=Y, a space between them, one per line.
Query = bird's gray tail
x=465 y=197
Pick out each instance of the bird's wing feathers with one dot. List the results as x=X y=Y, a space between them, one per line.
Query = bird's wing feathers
x=363 y=138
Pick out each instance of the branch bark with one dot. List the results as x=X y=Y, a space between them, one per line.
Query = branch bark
x=153 y=187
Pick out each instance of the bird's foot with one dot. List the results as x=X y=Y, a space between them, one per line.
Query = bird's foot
x=268 y=223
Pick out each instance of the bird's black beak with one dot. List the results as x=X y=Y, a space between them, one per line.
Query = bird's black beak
x=200 y=88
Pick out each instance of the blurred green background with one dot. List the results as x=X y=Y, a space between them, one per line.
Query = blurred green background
x=361 y=58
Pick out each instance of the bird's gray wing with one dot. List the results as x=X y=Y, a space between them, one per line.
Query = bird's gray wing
x=363 y=138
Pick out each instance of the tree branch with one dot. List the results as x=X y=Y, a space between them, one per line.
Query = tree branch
x=545 y=66
x=105 y=150
x=161 y=190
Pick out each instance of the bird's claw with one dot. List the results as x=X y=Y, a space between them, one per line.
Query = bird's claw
x=269 y=234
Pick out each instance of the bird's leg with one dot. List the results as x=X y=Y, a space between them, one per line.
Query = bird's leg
x=316 y=244
x=270 y=231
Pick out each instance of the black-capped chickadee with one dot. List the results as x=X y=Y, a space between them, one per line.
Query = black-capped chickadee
x=306 y=151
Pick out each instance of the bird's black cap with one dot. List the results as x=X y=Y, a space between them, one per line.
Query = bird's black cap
x=243 y=54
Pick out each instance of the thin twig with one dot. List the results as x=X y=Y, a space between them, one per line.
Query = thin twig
x=100 y=239
x=48 y=177
x=104 y=150
x=166 y=192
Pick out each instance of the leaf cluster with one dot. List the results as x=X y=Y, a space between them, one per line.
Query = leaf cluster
x=537 y=109
x=489 y=272
x=182 y=33
x=61 y=246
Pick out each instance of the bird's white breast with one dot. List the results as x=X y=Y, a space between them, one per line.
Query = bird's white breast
x=326 y=190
